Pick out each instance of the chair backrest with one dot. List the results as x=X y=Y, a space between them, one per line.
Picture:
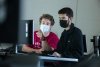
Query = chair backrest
x=84 y=43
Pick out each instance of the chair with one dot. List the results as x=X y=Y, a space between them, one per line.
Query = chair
x=96 y=44
x=86 y=58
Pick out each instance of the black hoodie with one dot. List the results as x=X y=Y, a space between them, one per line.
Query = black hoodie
x=71 y=43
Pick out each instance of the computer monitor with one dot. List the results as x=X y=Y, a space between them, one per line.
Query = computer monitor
x=12 y=30
x=9 y=17
x=25 y=33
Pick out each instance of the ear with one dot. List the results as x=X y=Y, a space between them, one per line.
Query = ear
x=71 y=18
x=51 y=26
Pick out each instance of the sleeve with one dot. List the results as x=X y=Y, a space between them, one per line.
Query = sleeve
x=75 y=49
x=60 y=46
x=78 y=48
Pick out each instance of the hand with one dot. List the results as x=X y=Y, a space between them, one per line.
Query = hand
x=39 y=34
x=42 y=34
x=39 y=51
x=56 y=54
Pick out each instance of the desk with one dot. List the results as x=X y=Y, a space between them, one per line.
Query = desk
x=47 y=58
x=42 y=59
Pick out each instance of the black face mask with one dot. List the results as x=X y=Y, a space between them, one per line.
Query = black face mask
x=64 y=23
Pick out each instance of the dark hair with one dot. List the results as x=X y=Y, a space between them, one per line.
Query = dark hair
x=49 y=17
x=68 y=11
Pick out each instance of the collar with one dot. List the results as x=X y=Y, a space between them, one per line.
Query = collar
x=71 y=28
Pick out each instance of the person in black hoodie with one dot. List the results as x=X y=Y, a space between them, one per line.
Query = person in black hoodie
x=71 y=40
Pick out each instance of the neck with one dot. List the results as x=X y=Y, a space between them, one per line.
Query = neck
x=67 y=28
x=46 y=34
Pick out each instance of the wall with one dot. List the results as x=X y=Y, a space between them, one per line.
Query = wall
x=33 y=9
x=88 y=19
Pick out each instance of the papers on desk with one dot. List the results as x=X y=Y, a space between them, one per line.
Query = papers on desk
x=58 y=58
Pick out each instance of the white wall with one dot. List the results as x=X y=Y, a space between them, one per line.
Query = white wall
x=86 y=14
x=88 y=19
x=33 y=9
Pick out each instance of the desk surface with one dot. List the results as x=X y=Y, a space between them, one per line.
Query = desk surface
x=58 y=58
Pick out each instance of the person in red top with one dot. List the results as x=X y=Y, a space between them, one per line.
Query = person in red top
x=44 y=39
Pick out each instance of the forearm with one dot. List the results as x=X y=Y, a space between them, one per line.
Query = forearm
x=25 y=48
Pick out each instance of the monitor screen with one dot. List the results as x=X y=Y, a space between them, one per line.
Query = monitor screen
x=9 y=17
x=25 y=33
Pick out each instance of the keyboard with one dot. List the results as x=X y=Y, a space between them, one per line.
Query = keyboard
x=47 y=53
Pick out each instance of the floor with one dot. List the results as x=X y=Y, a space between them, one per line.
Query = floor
x=94 y=62
x=87 y=61
x=90 y=61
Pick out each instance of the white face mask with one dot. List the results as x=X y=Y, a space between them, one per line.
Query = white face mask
x=44 y=28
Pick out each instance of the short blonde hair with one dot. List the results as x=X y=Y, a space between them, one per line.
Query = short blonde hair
x=49 y=17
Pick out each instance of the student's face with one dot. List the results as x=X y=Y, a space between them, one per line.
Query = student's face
x=46 y=22
x=65 y=21
x=45 y=26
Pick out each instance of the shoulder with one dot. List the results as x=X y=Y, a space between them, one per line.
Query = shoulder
x=78 y=31
x=36 y=31
x=52 y=34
